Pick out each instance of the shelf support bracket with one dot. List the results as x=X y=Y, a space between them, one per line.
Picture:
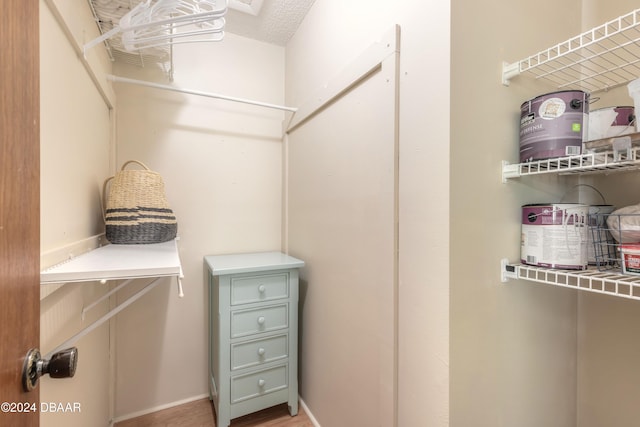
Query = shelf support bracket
x=509 y=171
x=105 y=296
x=106 y=317
x=509 y=71
x=179 y=278
x=507 y=271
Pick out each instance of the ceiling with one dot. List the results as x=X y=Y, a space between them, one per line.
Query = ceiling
x=276 y=20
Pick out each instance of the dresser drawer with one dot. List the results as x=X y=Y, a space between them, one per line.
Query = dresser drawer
x=259 y=319
x=254 y=384
x=264 y=287
x=256 y=352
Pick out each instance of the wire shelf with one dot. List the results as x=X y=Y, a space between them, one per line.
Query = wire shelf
x=605 y=162
x=612 y=271
x=590 y=280
x=107 y=15
x=602 y=58
x=599 y=156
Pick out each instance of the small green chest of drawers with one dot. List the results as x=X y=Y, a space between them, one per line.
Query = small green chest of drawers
x=253 y=332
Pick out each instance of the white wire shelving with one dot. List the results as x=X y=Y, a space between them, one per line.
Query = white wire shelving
x=602 y=58
x=604 y=162
x=107 y=15
x=591 y=280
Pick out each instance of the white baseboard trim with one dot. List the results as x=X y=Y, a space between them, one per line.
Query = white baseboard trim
x=308 y=412
x=159 y=408
x=193 y=399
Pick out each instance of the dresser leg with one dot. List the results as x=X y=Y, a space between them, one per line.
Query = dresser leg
x=223 y=421
x=293 y=407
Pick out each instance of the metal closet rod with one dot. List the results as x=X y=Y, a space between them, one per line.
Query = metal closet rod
x=197 y=92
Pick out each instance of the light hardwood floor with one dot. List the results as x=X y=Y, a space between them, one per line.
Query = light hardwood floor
x=200 y=414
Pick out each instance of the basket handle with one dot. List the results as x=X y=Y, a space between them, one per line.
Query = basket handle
x=134 y=161
x=106 y=182
x=104 y=198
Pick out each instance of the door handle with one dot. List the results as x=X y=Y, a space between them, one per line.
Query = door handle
x=61 y=365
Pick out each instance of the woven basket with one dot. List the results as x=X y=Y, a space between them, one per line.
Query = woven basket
x=136 y=208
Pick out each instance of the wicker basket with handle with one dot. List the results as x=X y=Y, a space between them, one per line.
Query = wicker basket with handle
x=136 y=208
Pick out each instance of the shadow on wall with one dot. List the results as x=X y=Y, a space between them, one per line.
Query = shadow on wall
x=303 y=287
x=142 y=371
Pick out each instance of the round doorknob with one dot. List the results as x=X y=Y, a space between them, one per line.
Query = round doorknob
x=61 y=365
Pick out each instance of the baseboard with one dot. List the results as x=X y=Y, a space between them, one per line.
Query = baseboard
x=159 y=408
x=308 y=412
x=193 y=399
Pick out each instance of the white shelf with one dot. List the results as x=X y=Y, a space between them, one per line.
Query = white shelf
x=117 y=262
x=602 y=158
x=599 y=59
x=591 y=280
x=606 y=162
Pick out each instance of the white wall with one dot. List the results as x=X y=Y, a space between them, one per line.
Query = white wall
x=221 y=163
x=332 y=36
x=341 y=221
x=76 y=153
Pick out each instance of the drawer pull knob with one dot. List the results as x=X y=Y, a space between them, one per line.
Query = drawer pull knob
x=261 y=289
x=261 y=320
x=261 y=351
x=261 y=382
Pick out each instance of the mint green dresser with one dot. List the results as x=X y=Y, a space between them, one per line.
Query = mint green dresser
x=253 y=332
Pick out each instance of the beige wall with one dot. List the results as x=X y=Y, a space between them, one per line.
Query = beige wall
x=520 y=347
x=471 y=350
x=76 y=153
x=221 y=163
x=608 y=377
x=513 y=345
x=337 y=343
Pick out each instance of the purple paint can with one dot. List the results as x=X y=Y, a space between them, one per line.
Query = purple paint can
x=553 y=125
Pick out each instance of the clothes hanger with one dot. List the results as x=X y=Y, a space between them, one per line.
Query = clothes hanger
x=164 y=19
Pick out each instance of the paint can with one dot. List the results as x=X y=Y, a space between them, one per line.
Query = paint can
x=630 y=257
x=553 y=125
x=555 y=235
x=610 y=122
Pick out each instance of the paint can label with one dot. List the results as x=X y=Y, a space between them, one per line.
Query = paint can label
x=554 y=236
